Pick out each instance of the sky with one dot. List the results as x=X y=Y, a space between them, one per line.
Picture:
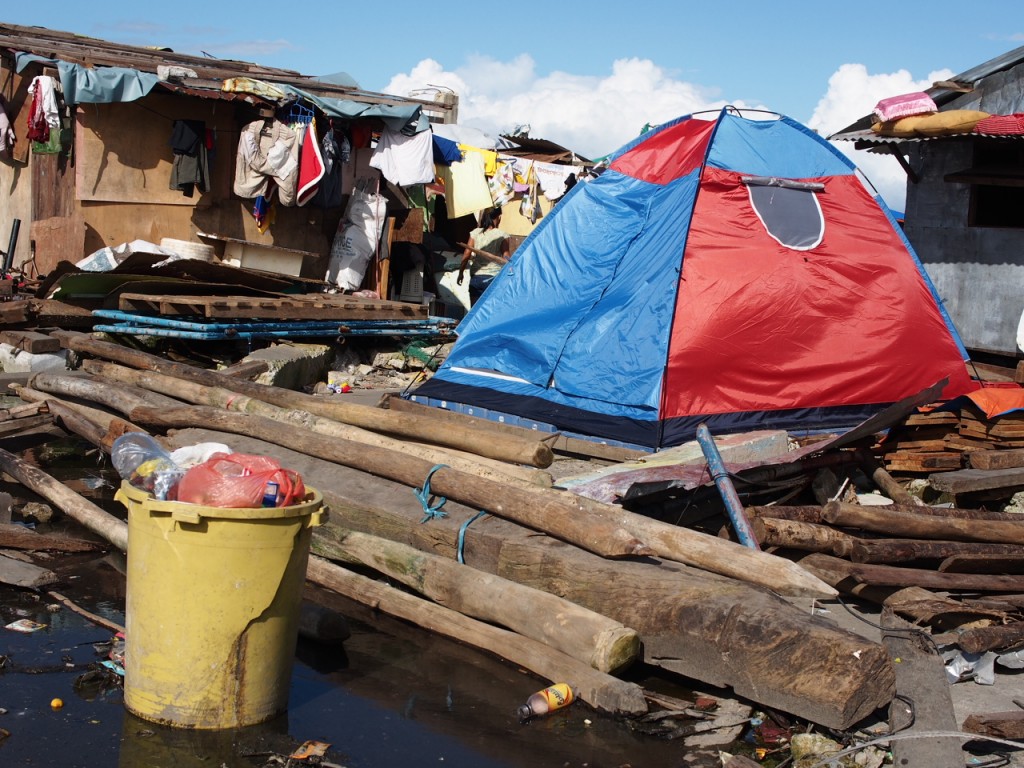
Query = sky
x=588 y=75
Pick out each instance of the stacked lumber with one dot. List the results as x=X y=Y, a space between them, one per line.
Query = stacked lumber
x=943 y=441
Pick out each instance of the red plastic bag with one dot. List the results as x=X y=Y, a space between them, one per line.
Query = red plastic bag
x=239 y=480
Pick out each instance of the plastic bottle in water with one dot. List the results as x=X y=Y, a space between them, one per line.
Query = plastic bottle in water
x=548 y=700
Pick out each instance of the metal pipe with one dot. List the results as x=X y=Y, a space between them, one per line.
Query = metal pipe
x=11 y=245
x=733 y=505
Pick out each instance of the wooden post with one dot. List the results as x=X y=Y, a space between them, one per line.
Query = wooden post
x=882 y=520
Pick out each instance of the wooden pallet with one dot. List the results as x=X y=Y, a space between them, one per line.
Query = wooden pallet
x=286 y=307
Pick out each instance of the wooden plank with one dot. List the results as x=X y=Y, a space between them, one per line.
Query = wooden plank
x=20 y=537
x=284 y=307
x=25 y=575
x=14 y=426
x=982 y=562
x=996 y=459
x=30 y=341
x=969 y=480
x=921 y=678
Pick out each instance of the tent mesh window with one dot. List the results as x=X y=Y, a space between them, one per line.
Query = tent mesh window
x=789 y=210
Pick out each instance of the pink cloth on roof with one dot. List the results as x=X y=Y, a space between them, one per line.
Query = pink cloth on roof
x=908 y=104
x=1001 y=124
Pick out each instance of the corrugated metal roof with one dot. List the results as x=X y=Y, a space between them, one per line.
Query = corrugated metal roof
x=941 y=93
x=90 y=52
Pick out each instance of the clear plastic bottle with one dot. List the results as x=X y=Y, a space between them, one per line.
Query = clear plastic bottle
x=144 y=463
x=548 y=700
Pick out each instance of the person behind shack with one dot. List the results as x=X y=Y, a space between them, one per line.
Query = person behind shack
x=488 y=238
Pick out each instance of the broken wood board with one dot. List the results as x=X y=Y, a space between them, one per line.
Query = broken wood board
x=25 y=575
x=286 y=307
x=1002 y=725
x=20 y=537
x=921 y=681
x=971 y=480
x=30 y=341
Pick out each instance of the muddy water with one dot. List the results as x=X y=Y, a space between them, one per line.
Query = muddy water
x=390 y=695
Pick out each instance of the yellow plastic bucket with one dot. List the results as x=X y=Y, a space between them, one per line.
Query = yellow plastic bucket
x=212 y=608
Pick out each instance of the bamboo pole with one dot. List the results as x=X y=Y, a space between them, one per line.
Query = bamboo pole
x=511 y=449
x=587 y=636
x=600 y=690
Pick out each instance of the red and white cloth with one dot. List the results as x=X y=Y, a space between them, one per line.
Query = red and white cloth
x=1002 y=125
x=311 y=166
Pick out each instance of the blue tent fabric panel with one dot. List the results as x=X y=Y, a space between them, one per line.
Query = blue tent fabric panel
x=770 y=148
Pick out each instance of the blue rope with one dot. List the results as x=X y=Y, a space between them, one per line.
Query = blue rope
x=462 y=533
x=424 y=494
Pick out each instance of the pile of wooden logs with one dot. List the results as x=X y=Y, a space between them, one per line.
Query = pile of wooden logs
x=596 y=585
x=571 y=588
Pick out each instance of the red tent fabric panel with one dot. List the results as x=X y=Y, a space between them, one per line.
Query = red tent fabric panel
x=762 y=327
x=668 y=155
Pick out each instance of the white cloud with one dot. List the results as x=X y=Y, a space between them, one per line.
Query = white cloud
x=852 y=93
x=595 y=115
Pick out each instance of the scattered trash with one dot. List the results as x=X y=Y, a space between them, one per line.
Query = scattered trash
x=25 y=625
x=310 y=749
x=548 y=700
x=961 y=665
x=144 y=463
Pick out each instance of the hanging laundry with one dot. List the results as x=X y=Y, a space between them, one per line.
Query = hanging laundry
x=489 y=156
x=328 y=194
x=502 y=184
x=465 y=186
x=523 y=168
x=267 y=150
x=7 y=137
x=404 y=160
x=190 y=168
x=552 y=178
x=446 y=151
x=44 y=114
x=311 y=165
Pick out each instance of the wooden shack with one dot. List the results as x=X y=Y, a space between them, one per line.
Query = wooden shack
x=965 y=192
x=104 y=177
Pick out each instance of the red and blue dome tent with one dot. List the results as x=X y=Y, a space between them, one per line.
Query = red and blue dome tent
x=731 y=271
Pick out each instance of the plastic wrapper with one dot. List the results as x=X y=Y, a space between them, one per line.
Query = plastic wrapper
x=239 y=480
x=144 y=463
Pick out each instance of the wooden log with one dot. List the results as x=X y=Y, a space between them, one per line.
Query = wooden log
x=598 y=689
x=986 y=562
x=534 y=453
x=24 y=575
x=915 y=603
x=912 y=525
x=802 y=514
x=20 y=537
x=920 y=678
x=902 y=550
x=1001 y=725
x=611 y=531
x=559 y=443
x=1001 y=638
x=959 y=513
x=888 y=484
x=604 y=644
x=892 y=576
x=803 y=536
x=559 y=515
x=693 y=623
x=249 y=369
x=113 y=393
x=72 y=504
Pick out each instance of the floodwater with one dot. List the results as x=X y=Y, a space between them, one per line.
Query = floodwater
x=390 y=695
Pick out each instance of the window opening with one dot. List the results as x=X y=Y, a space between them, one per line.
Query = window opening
x=789 y=210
